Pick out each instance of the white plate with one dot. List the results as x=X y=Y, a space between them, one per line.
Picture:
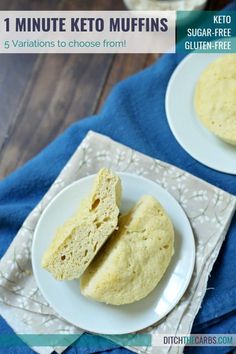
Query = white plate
x=65 y=297
x=200 y=143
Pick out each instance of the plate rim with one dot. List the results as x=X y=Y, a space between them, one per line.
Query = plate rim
x=172 y=126
x=185 y=283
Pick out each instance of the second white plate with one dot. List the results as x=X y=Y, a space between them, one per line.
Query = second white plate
x=200 y=143
x=65 y=296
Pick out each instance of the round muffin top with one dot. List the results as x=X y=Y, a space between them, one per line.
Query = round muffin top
x=215 y=98
x=135 y=257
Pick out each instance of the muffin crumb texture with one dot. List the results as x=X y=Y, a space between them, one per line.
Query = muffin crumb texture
x=80 y=238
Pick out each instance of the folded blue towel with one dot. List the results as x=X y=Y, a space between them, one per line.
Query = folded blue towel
x=134 y=114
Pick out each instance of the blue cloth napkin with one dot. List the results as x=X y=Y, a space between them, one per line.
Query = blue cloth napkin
x=134 y=114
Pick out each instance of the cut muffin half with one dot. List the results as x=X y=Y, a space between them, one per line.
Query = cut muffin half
x=77 y=242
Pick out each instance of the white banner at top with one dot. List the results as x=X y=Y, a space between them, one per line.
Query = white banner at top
x=87 y=31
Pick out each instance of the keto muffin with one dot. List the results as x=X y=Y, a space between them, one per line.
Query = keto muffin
x=77 y=241
x=134 y=259
x=215 y=98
